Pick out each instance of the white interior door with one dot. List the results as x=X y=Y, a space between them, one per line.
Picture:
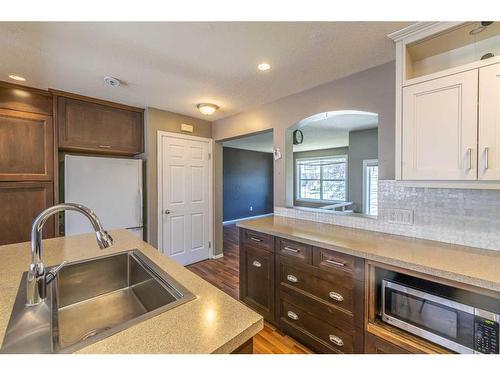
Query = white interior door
x=184 y=199
x=489 y=123
x=440 y=128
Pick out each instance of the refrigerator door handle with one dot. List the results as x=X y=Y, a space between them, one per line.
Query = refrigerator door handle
x=140 y=205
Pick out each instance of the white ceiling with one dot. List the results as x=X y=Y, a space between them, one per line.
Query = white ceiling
x=331 y=129
x=262 y=142
x=174 y=66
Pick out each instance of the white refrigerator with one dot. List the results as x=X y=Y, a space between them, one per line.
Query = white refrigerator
x=111 y=187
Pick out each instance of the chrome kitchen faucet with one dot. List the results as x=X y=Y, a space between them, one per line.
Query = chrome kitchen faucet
x=38 y=278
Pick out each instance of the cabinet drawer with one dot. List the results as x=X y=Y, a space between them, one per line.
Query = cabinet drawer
x=318 y=284
x=338 y=263
x=377 y=345
x=257 y=239
x=298 y=251
x=320 y=334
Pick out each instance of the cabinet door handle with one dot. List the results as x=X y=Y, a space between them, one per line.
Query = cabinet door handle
x=292 y=315
x=335 y=263
x=255 y=239
x=469 y=158
x=288 y=248
x=336 y=296
x=336 y=340
x=486 y=149
x=292 y=278
x=104 y=146
x=256 y=263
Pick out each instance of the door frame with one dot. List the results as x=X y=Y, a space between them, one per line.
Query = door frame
x=366 y=163
x=159 y=184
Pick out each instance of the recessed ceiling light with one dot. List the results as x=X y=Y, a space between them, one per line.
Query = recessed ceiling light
x=263 y=67
x=16 y=77
x=112 y=81
x=207 y=108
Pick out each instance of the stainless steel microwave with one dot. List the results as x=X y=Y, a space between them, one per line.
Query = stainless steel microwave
x=459 y=327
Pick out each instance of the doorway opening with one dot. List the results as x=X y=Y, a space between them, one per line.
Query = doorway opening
x=247 y=177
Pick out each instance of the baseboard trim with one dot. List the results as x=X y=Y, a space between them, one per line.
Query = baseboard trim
x=245 y=218
x=218 y=256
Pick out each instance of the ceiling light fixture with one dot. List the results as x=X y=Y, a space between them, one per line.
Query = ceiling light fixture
x=207 y=108
x=263 y=67
x=16 y=77
x=112 y=81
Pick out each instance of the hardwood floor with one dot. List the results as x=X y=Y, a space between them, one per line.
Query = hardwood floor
x=224 y=274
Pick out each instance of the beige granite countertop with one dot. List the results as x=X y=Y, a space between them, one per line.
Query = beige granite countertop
x=212 y=323
x=459 y=263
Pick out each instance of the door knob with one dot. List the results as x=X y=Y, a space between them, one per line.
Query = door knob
x=167 y=212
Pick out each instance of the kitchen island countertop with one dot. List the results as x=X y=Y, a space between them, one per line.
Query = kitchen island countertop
x=214 y=322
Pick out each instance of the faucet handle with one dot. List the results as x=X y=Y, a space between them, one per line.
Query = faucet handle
x=51 y=275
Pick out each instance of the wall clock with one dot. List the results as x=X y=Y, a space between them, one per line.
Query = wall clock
x=298 y=137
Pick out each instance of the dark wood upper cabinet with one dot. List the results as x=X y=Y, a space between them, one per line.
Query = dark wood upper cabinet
x=27 y=160
x=95 y=126
x=25 y=99
x=21 y=202
x=27 y=146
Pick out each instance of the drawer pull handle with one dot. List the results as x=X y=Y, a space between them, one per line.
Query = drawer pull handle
x=288 y=248
x=335 y=263
x=256 y=263
x=292 y=315
x=336 y=296
x=336 y=340
x=255 y=239
x=292 y=278
x=104 y=146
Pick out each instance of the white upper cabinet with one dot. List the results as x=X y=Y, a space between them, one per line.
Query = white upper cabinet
x=489 y=123
x=448 y=104
x=439 y=133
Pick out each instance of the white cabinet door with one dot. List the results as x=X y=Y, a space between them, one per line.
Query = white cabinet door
x=489 y=123
x=439 y=132
x=185 y=215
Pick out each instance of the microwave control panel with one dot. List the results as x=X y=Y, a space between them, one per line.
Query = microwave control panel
x=486 y=335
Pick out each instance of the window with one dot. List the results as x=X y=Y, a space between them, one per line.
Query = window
x=321 y=179
x=370 y=187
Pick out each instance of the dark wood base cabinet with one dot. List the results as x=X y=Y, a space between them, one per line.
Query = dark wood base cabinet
x=314 y=295
x=377 y=345
x=257 y=264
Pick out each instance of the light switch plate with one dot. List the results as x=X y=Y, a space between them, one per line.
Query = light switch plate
x=399 y=216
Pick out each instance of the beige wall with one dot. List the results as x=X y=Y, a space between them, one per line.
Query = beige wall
x=371 y=90
x=156 y=119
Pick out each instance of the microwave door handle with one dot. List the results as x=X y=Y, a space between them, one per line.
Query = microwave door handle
x=422 y=307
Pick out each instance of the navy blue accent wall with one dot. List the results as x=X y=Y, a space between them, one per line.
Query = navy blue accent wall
x=247 y=181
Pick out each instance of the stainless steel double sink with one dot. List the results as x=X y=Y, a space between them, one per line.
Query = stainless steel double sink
x=90 y=300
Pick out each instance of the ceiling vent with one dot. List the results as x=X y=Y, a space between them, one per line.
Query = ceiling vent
x=112 y=81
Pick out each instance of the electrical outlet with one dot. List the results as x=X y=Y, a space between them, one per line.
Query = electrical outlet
x=399 y=216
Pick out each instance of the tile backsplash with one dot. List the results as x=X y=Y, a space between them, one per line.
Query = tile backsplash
x=458 y=216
